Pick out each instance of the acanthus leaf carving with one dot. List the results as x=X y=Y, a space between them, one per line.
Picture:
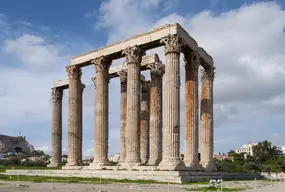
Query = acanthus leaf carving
x=156 y=69
x=192 y=61
x=123 y=74
x=74 y=72
x=208 y=73
x=102 y=64
x=145 y=86
x=133 y=54
x=56 y=94
x=172 y=43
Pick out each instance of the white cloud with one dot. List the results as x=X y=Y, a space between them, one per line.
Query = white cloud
x=35 y=53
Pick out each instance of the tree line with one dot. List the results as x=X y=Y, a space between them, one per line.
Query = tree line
x=266 y=158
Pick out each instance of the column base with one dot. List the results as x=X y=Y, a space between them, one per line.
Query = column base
x=154 y=161
x=54 y=165
x=171 y=165
x=208 y=166
x=72 y=162
x=192 y=165
x=99 y=165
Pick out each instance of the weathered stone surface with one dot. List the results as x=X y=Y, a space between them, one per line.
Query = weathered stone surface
x=57 y=94
x=74 y=116
x=206 y=122
x=101 y=113
x=144 y=122
x=155 y=124
x=132 y=136
x=148 y=40
x=123 y=114
x=191 y=129
x=171 y=118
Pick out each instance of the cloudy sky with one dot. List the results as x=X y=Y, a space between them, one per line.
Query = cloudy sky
x=245 y=37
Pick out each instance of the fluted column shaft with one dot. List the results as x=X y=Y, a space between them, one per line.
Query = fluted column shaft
x=101 y=113
x=171 y=120
x=56 y=127
x=206 y=122
x=74 y=116
x=123 y=114
x=144 y=122
x=155 y=124
x=80 y=131
x=133 y=58
x=191 y=129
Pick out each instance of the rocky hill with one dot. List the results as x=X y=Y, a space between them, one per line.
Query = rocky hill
x=15 y=144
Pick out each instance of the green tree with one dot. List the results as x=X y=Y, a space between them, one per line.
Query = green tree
x=264 y=151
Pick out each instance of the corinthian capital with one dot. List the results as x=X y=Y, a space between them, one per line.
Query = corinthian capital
x=133 y=54
x=123 y=76
x=156 y=69
x=56 y=94
x=101 y=64
x=192 y=61
x=145 y=86
x=74 y=72
x=208 y=73
x=172 y=43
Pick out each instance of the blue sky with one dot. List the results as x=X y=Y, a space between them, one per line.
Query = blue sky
x=245 y=37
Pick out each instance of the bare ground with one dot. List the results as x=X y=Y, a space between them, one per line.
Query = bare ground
x=12 y=186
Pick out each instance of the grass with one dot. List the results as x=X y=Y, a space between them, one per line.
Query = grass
x=211 y=188
x=3 y=168
x=94 y=180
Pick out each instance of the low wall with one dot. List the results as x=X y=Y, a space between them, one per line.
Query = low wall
x=273 y=175
x=161 y=176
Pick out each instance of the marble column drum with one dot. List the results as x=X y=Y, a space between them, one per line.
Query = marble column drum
x=206 y=122
x=57 y=94
x=155 y=123
x=74 y=116
x=171 y=107
x=144 y=122
x=132 y=134
x=191 y=129
x=123 y=114
x=101 y=113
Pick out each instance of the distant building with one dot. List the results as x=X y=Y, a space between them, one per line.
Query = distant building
x=246 y=148
x=222 y=156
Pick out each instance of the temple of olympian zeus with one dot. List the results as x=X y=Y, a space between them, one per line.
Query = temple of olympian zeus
x=149 y=126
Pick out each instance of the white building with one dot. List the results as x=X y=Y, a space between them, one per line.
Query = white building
x=246 y=148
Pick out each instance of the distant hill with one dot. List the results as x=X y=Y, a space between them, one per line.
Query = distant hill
x=10 y=144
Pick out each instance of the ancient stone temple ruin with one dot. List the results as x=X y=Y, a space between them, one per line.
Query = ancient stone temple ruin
x=149 y=125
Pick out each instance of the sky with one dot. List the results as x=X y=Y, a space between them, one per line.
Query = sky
x=245 y=37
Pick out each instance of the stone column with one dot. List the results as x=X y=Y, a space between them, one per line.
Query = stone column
x=74 y=116
x=206 y=122
x=144 y=122
x=80 y=133
x=123 y=114
x=101 y=113
x=155 y=124
x=171 y=119
x=56 y=127
x=191 y=129
x=132 y=134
